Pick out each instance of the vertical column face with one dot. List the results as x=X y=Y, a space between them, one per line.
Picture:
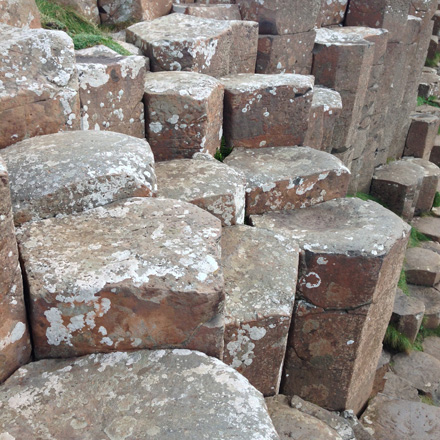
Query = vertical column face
x=120 y=11
x=15 y=348
x=421 y=135
x=345 y=294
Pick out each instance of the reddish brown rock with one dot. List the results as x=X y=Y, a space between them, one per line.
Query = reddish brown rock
x=259 y=302
x=429 y=83
x=431 y=298
x=431 y=345
x=20 y=13
x=209 y=184
x=283 y=178
x=244 y=47
x=141 y=273
x=382 y=368
x=436 y=19
x=214 y=11
x=421 y=136
x=184 y=114
x=70 y=172
x=286 y=53
x=15 y=348
x=351 y=255
x=38 y=84
x=332 y=12
x=433 y=47
x=429 y=226
x=111 y=90
x=424 y=9
x=86 y=8
x=121 y=11
x=435 y=152
x=422 y=267
x=399 y=388
x=266 y=110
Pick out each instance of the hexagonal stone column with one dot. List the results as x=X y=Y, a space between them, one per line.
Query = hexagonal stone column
x=282 y=178
x=351 y=255
x=111 y=90
x=430 y=296
x=67 y=173
x=184 y=114
x=15 y=347
x=259 y=302
x=120 y=11
x=422 y=266
x=141 y=273
x=421 y=136
x=129 y=394
x=266 y=110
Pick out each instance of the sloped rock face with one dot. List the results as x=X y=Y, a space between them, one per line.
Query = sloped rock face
x=87 y=8
x=350 y=263
x=20 y=13
x=429 y=226
x=111 y=90
x=15 y=348
x=144 y=273
x=166 y=394
x=70 y=172
x=259 y=302
x=38 y=84
x=120 y=11
x=422 y=267
x=184 y=114
x=209 y=184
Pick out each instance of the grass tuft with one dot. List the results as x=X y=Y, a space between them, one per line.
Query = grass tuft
x=223 y=152
x=402 y=284
x=436 y=203
x=434 y=62
x=396 y=341
x=432 y=101
x=416 y=238
x=367 y=197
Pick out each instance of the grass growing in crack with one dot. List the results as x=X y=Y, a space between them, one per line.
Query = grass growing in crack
x=416 y=238
x=436 y=203
x=367 y=197
x=434 y=61
x=430 y=101
x=402 y=284
x=83 y=32
x=223 y=152
x=396 y=341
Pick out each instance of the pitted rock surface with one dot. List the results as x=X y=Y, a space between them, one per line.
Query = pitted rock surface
x=120 y=11
x=348 y=309
x=332 y=12
x=399 y=388
x=283 y=178
x=163 y=394
x=266 y=110
x=259 y=302
x=184 y=42
x=20 y=13
x=38 y=84
x=211 y=185
x=214 y=11
x=431 y=298
x=422 y=267
x=142 y=273
x=70 y=172
x=86 y=8
x=244 y=46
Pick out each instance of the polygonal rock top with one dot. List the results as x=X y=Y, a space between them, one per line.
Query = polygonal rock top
x=69 y=172
x=341 y=37
x=327 y=98
x=403 y=172
x=163 y=394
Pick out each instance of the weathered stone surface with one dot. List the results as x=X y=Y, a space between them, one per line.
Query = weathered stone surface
x=431 y=245
x=332 y=12
x=421 y=136
x=282 y=178
x=70 y=172
x=259 y=302
x=424 y=9
x=291 y=423
x=111 y=89
x=358 y=429
x=141 y=273
x=167 y=394
x=435 y=152
x=398 y=185
x=184 y=114
x=326 y=109
x=408 y=314
x=214 y=11
x=87 y=8
x=120 y=11
x=15 y=348
x=396 y=419
x=38 y=84
x=431 y=345
x=431 y=298
x=20 y=13
x=281 y=17
x=429 y=226
x=382 y=368
x=244 y=47
x=286 y=53
x=184 y=42
x=436 y=20
x=347 y=308
x=399 y=388
x=266 y=110
x=433 y=47
x=429 y=83
x=210 y=185
x=422 y=267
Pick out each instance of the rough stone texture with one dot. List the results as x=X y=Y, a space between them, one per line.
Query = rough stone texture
x=266 y=110
x=281 y=17
x=15 y=348
x=291 y=423
x=86 y=8
x=436 y=20
x=429 y=83
x=326 y=109
x=342 y=311
x=429 y=226
x=214 y=11
x=382 y=368
x=70 y=172
x=111 y=89
x=398 y=185
x=407 y=315
x=20 y=13
x=433 y=47
x=166 y=394
x=422 y=267
x=431 y=345
x=259 y=302
x=399 y=388
x=332 y=12
x=210 y=185
x=286 y=53
x=396 y=419
x=244 y=47
x=120 y=11
x=184 y=114
x=423 y=8
x=358 y=429
x=431 y=245
x=38 y=84
x=431 y=298
x=142 y=273
x=435 y=152
x=283 y=178
x=421 y=136
x=184 y=42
